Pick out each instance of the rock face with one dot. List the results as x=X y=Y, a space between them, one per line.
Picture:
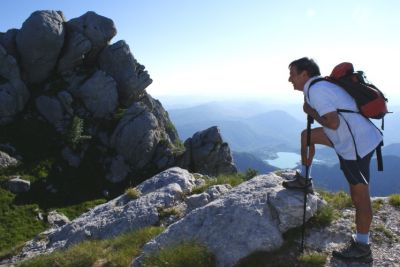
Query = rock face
x=131 y=77
x=39 y=44
x=207 y=153
x=89 y=89
x=235 y=222
x=251 y=217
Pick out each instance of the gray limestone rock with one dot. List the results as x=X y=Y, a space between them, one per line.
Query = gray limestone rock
x=172 y=175
x=115 y=217
x=7 y=40
x=6 y=160
x=118 y=170
x=212 y=193
x=77 y=46
x=39 y=44
x=137 y=136
x=13 y=92
x=206 y=153
x=18 y=185
x=99 y=95
x=97 y=29
x=51 y=109
x=118 y=61
x=56 y=219
x=246 y=219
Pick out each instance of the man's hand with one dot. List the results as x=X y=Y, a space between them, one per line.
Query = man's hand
x=329 y=120
x=309 y=110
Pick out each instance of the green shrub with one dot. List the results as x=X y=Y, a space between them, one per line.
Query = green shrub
x=324 y=216
x=75 y=134
x=394 y=200
x=250 y=173
x=338 y=200
x=116 y=252
x=313 y=259
x=133 y=193
x=185 y=254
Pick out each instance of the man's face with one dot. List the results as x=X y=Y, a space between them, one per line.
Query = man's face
x=298 y=79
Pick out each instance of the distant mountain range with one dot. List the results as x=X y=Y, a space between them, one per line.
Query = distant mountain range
x=255 y=132
x=242 y=128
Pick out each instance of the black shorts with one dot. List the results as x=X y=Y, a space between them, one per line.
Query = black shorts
x=356 y=171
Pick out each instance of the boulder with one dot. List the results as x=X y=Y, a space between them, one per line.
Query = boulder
x=206 y=153
x=39 y=43
x=118 y=170
x=7 y=40
x=56 y=219
x=18 y=185
x=13 y=92
x=212 y=193
x=97 y=29
x=137 y=136
x=51 y=109
x=6 y=160
x=99 y=95
x=75 y=50
x=249 y=218
x=118 y=61
x=115 y=217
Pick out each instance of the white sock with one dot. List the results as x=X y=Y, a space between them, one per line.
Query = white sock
x=362 y=238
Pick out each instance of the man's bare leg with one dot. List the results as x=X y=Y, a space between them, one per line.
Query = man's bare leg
x=362 y=202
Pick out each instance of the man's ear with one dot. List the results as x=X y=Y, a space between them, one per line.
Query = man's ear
x=305 y=75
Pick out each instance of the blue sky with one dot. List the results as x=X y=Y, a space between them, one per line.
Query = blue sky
x=242 y=48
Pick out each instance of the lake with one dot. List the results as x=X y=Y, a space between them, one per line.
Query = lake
x=285 y=160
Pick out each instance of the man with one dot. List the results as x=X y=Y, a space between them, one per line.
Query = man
x=353 y=137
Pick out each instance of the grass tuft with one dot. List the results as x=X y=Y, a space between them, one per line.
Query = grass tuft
x=312 y=259
x=394 y=200
x=324 y=216
x=338 y=200
x=231 y=179
x=188 y=253
x=116 y=252
x=133 y=193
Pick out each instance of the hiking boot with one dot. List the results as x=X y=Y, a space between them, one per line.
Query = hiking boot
x=299 y=183
x=355 y=251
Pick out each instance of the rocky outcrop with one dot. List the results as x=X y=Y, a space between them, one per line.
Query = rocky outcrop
x=207 y=153
x=39 y=44
x=6 y=160
x=131 y=77
x=13 y=92
x=251 y=217
x=235 y=223
x=89 y=89
x=18 y=185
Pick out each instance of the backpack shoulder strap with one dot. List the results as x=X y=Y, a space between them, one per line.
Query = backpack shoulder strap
x=312 y=83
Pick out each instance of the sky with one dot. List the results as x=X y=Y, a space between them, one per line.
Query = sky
x=232 y=48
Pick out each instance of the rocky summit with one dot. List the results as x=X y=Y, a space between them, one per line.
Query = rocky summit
x=231 y=222
x=68 y=75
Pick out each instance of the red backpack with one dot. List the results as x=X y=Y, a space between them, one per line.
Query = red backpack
x=369 y=99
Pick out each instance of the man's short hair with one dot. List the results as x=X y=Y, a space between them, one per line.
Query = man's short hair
x=307 y=64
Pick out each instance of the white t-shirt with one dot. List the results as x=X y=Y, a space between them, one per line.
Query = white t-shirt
x=326 y=97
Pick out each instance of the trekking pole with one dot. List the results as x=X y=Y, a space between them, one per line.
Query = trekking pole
x=310 y=121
